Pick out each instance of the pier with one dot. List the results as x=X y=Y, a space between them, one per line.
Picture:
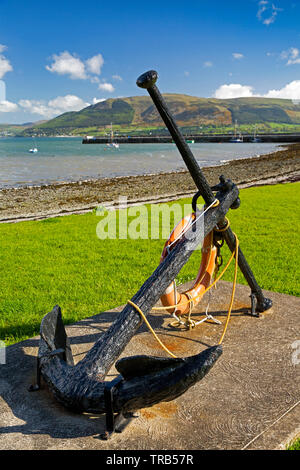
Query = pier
x=203 y=138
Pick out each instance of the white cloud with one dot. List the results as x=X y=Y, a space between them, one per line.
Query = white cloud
x=207 y=64
x=98 y=100
x=35 y=107
x=106 y=87
x=292 y=56
x=289 y=91
x=2 y=91
x=5 y=65
x=267 y=12
x=237 y=55
x=2 y=48
x=71 y=65
x=262 y=8
x=94 y=79
x=68 y=64
x=94 y=64
x=54 y=107
x=7 y=107
x=233 y=90
x=67 y=103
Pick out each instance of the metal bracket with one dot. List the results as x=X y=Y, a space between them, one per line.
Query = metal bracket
x=115 y=422
x=253 y=298
x=223 y=187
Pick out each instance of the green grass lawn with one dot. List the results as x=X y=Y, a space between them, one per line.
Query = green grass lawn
x=295 y=446
x=61 y=260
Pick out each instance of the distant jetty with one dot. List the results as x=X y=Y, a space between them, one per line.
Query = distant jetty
x=213 y=138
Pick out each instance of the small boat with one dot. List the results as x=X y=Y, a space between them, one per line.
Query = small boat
x=190 y=141
x=34 y=149
x=237 y=139
x=112 y=143
x=255 y=139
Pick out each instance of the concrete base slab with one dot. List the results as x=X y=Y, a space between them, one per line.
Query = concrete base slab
x=249 y=400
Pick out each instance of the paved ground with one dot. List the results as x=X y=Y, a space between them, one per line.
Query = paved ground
x=249 y=400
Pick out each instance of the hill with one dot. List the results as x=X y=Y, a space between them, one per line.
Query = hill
x=187 y=111
x=10 y=130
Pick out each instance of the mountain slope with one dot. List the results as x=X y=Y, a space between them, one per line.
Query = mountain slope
x=187 y=110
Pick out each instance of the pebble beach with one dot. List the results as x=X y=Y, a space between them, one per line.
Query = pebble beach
x=36 y=202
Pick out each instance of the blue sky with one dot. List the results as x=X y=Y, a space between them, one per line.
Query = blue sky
x=63 y=55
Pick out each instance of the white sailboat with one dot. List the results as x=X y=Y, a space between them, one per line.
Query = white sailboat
x=33 y=149
x=112 y=143
x=255 y=138
x=237 y=139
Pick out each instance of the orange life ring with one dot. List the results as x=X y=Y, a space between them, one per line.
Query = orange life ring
x=192 y=296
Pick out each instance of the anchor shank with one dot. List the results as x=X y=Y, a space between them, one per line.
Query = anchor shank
x=105 y=351
x=81 y=387
x=147 y=81
x=182 y=146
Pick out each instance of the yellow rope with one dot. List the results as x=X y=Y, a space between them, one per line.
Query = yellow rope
x=217 y=229
x=235 y=253
x=233 y=287
x=150 y=327
x=215 y=204
x=206 y=290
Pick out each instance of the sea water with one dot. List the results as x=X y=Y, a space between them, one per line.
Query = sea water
x=63 y=159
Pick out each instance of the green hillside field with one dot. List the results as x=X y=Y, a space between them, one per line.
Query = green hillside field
x=195 y=114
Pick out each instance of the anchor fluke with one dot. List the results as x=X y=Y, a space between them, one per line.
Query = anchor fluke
x=163 y=379
x=53 y=333
x=143 y=381
x=138 y=366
